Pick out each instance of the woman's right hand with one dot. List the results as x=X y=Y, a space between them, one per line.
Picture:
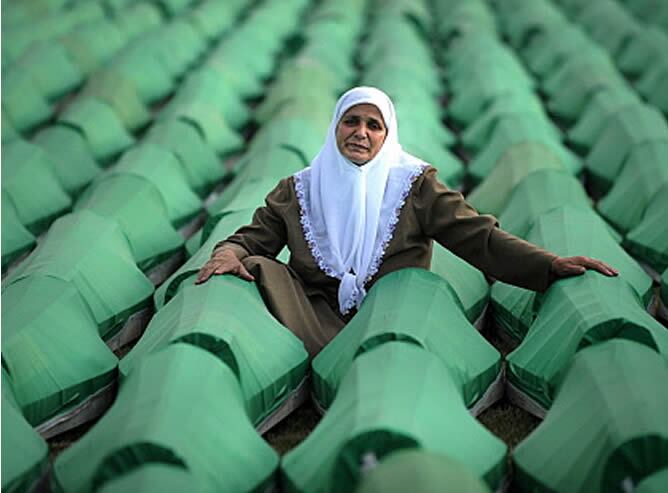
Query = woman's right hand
x=223 y=261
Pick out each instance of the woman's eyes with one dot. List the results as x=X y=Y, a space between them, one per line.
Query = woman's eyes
x=353 y=122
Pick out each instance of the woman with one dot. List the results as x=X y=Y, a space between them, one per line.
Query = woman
x=362 y=209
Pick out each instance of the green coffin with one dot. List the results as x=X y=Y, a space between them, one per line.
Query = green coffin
x=642 y=50
x=519 y=160
x=16 y=239
x=135 y=19
x=71 y=157
x=25 y=453
x=599 y=110
x=225 y=226
x=511 y=130
x=648 y=241
x=210 y=124
x=121 y=95
x=211 y=19
x=643 y=174
x=22 y=101
x=475 y=136
x=629 y=127
x=576 y=313
x=412 y=403
x=654 y=483
x=420 y=472
x=299 y=134
x=29 y=181
x=181 y=407
x=199 y=161
x=652 y=85
x=165 y=478
x=419 y=308
x=138 y=207
x=100 y=125
x=91 y=45
x=242 y=194
x=51 y=69
x=93 y=254
x=607 y=429
x=204 y=86
x=44 y=318
x=269 y=361
x=164 y=170
x=566 y=231
x=468 y=283
x=141 y=65
x=540 y=192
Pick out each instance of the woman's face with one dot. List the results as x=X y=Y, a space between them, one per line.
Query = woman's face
x=360 y=133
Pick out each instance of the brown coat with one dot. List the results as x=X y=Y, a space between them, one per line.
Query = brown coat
x=431 y=212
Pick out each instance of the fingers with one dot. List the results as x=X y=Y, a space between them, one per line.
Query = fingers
x=204 y=273
x=216 y=267
x=599 y=266
x=574 y=266
x=244 y=274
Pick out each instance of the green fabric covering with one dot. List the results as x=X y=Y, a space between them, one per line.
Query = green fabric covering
x=269 y=361
x=199 y=161
x=166 y=478
x=297 y=133
x=51 y=69
x=417 y=122
x=609 y=25
x=207 y=88
x=135 y=19
x=644 y=172
x=100 y=125
x=180 y=407
x=9 y=133
x=412 y=403
x=44 y=318
x=263 y=163
x=16 y=239
x=566 y=231
x=523 y=20
x=519 y=160
x=193 y=243
x=654 y=483
x=224 y=227
x=164 y=170
x=468 y=283
x=234 y=75
x=138 y=207
x=211 y=18
x=600 y=109
x=211 y=125
x=652 y=85
x=642 y=50
x=121 y=95
x=664 y=287
x=179 y=45
x=576 y=313
x=572 y=86
x=511 y=130
x=24 y=452
x=648 y=241
x=71 y=157
x=457 y=18
x=242 y=195
x=93 y=44
x=631 y=126
x=550 y=49
x=607 y=424
x=420 y=472
x=468 y=104
x=32 y=185
x=450 y=168
x=540 y=192
x=411 y=306
x=143 y=67
x=22 y=102
x=174 y=7
x=476 y=135
x=92 y=253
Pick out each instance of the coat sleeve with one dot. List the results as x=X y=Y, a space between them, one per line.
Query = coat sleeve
x=446 y=217
x=266 y=235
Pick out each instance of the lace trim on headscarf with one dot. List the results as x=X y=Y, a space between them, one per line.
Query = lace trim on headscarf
x=380 y=247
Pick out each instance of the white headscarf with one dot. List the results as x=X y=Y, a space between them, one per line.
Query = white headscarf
x=349 y=212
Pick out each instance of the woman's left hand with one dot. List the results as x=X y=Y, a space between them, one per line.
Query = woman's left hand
x=575 y=266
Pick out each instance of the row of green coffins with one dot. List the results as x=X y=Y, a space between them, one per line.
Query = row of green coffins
x=84 y=274
x=625 y=140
